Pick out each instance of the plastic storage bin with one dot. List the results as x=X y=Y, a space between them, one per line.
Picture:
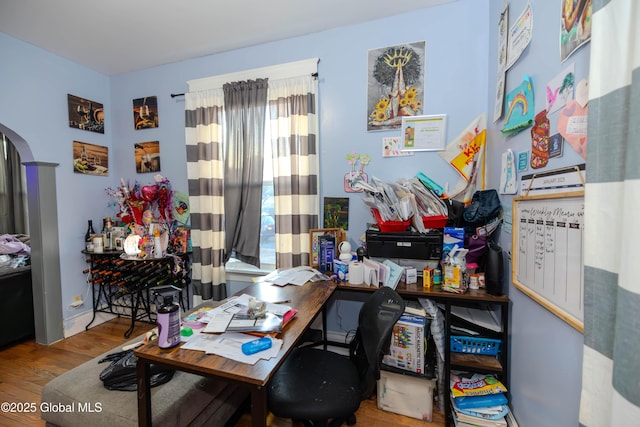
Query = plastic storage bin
x=390 y=226
x=485 y=346
x=435 y=221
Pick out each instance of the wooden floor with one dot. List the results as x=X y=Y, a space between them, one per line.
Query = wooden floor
x=27 y=366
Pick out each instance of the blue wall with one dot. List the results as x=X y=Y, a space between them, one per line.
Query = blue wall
x=546 y=353
x=461 y=42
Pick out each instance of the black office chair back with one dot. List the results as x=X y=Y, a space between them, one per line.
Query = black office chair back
x=376 y=320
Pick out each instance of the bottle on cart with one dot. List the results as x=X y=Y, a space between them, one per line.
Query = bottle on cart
x=168 y=320
x=108 y=234
x=88 y=243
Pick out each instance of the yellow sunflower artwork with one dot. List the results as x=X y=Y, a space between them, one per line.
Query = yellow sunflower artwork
x=396 y=85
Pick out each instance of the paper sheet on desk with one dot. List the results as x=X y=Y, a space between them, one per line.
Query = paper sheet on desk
x=294 y=276
x=229 y=345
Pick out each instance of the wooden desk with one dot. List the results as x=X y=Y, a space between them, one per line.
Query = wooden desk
x=472 y=298
x=309 y=300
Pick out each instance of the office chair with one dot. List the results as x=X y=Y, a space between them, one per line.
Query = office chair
x=317 y=386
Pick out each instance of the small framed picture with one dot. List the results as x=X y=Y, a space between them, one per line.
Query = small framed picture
x=145 y=112
x=85 y=114
x=147 y=156
x=90 y=159
x=315 y=238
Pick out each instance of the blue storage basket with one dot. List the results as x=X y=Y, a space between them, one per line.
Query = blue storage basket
x=471 y=345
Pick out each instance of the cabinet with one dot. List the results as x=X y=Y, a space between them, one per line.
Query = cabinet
x=16 y=304
x=124 y=287
x=498 y=365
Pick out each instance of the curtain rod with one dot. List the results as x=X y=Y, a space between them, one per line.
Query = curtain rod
x=174 y=95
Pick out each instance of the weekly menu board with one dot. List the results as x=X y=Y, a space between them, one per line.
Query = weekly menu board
x=548 y=255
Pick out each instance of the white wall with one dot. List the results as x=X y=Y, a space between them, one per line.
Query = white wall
x=461 y=45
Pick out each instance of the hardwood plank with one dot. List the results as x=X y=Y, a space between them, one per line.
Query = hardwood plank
x=27 y=366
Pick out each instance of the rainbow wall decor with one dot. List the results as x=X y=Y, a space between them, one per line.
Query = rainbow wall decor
x=519 y=108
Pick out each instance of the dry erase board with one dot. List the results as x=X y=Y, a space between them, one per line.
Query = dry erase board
x=547 y=252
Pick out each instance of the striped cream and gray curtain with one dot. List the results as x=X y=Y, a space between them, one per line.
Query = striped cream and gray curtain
x=205 y=172
x=611 y=363
x=294 y=142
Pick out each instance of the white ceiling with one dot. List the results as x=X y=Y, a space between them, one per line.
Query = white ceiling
x=117 y=36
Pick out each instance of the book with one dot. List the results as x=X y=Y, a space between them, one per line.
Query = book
x=477 y=385
x=461 y=420
x=471 y=402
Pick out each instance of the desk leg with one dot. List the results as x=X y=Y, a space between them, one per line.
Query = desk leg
x=259 y=406
x=143 y=375
x=324 y=326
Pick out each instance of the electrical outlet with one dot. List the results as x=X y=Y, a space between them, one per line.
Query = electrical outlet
x=77 y=301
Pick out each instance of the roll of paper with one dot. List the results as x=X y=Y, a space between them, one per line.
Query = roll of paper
x=356 y=273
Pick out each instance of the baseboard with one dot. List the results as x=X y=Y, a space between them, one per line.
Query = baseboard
x=79 y=322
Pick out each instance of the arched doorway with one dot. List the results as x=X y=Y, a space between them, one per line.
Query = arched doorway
x=45 y=253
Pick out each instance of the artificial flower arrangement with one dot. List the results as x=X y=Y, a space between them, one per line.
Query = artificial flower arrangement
x=150 y=211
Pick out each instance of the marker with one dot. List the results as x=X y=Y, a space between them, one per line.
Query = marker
x=281 y=302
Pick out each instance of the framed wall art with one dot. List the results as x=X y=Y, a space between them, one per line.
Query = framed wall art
x=85 y=114
x=395 y=86
x=145 y=112
x=147 y=155
x=90 y=159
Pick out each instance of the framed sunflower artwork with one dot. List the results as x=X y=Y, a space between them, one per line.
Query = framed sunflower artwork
x=395 y=86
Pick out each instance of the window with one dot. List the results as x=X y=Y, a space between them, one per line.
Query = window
x=292 y=96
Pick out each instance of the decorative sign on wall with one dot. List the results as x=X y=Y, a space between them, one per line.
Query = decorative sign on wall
x=548 y=239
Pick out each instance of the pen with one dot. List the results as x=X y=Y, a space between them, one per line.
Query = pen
x=280 y=302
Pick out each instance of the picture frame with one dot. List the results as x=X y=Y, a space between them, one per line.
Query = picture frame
x=145 y=113
x=90 y=159
x=314 y=244
x=147 y=156
x=424 y=133
x=85 y=114
x=386 y=105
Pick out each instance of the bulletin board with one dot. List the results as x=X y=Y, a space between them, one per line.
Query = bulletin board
x=548 y=252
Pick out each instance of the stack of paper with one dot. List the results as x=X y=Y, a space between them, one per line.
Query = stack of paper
x=229 y=345
x=232 y=316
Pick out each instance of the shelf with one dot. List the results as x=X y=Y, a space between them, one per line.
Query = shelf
x=460 y=361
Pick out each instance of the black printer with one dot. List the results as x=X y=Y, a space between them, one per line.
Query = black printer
x=406 y=244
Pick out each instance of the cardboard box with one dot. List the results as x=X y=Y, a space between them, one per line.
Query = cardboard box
x=341 y=269
x=452 y=236
x=408 y=344
x=406 y=395
x=410 y=275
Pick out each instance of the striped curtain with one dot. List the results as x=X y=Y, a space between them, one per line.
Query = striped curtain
x=294 y=142
x=205 y=172
x=611 y=362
